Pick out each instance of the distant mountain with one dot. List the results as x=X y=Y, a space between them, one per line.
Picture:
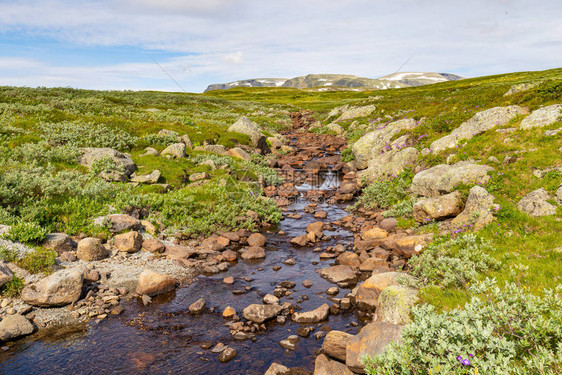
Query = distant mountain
x=325 y=82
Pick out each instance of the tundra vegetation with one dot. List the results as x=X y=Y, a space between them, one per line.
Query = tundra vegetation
x=490 y=300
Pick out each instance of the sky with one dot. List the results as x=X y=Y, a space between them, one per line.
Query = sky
x=140 y=44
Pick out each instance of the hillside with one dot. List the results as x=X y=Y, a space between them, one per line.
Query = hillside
x=324 y=82
x=279 y=227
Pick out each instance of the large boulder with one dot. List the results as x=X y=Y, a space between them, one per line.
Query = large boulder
x=372 y=340
x=317 y=315
x=478 y=124
x=335 y=344
x=118 y=223
x=260 y=313
x=444 y=178
x=150 y=178
x=355 y=112
x=376 y=142
x=542 y=117
x=390 y=163
x=437 y=208
x=338 y=274
x=91 y=248
x=245 y=126
x=153 y=283
x=325 y=366
x=535 y=203
x=124 y=165
x=238 y=153
x=394 y=304
x=59 y=289
x=129 y=242
x=14 y=326
x=478 y=210
x=176 y=150
x=369 y=290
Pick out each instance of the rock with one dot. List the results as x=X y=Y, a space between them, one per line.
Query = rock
x=316 y=228
x=436 y=208
x=252 y=130
x=371 y=264
x=59 y=242
x=478 y=124
x=277 y=369
x=559 y=195
x=124 y=165
x=186 y=141
x=228 y=312
x=290 y=343
x=337 y=129
x=238 y=153
x=59 y=289
x=406 y=246
x=542 y=117
x=307 y=283
x=300 y=240
x=68 y=256
x=394 y=304
x=335 y=344
x=519 y=88
x=120 y=222
x=179 y=252
x=257 y=239
x=228 y=280
x=198 y=306
x=215 y=149
x=229 y=255
x=348 y=258
x=374 y=234
x=325 y=366
x=91 y=248
x=368 y=292
x=150 y=178
x=374 y=143
x=317 y=315
x=167 y=133
x=218 y=348
x=227 y=354
x=270 y=299
x=198 y=176
x=153 y=245
x=130 y=242
x=338 y=274
x=389 y=224
x=6 y=273
x=391 y=163
x=253 y=252
x=478 y=211
x=444 y=178
x=355 y=112
x=261 y=313
x=371 y=340
x=176 y=150
x=15 y=326
x=153 y=283
x=149 y=151
x=535 y=203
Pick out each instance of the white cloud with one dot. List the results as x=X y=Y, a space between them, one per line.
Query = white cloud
x=235 y=39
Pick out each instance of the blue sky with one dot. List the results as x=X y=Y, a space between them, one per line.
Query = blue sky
x=109 y=44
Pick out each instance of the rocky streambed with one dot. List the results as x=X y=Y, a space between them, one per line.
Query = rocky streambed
x=288 y=298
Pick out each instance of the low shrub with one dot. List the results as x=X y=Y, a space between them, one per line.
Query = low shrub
x=86 y=134
x=384 y=193
x=13 y=287
x=38 y=260
x=500 y=331
x=25 y=232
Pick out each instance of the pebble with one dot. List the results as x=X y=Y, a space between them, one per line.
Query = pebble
x=290 y=262
x=332 y=291
x=227 y=354
x=228 y=280
x=307 y=283
x=276 y=268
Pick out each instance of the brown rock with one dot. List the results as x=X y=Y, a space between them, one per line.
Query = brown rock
x=228 y=312
x=374 y=234
x=301 y=241
x=122 y=222
x=338 y=274
x=59 y=289
x=257 y=239
x=335 y=344
x=178 y=252
x=153 y=283
x=371 y=264
x=389 y=224
x=153 y=245
x=59 y=242
x=277 y=369
x=91 y=248
x=348 y=259
x=229 y=255
x=436 y=208
x=325 y=366
x=317 y=315
x=316 y=228
x=368 y=292
x=372 y=340
x=228 y=280
x=253 y=252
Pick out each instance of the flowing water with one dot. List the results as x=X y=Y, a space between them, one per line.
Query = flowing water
x=164 y=338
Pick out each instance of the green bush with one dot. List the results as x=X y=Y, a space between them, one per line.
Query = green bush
x=347 y=155
x=13 y=287
x=455 y=261
x=402 y=208
x=500 y=331
x=38 y=260
x=26 y=232
x=8 y=255
x=86 y=134
x=386 y=192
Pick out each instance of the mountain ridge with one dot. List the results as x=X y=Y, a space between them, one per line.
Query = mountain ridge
x=325 y=82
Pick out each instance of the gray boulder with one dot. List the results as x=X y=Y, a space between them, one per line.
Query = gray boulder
x=355 y=112
x=150 y=178
x=59 y=289
x=260 y=313
x=14 y=326
x=6 y=273
x=91 y=248
x=378 y=141
x=59 y=242
x=186 y=141
x=124 y=165
x=559 y=195
x=245 y=126
x=478 y=124
x=437 y=208
x=542 y=117
x=444 y=178
x=390 y=163
x=394 y=304
x=535 y=203
x=478 y=211
x=176 y=150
